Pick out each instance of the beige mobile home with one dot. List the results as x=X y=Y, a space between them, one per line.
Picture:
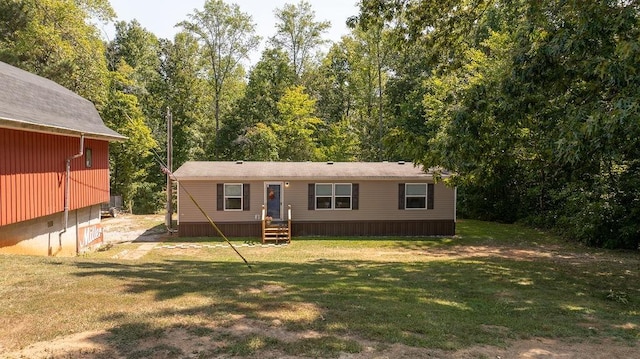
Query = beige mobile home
x=313 y=199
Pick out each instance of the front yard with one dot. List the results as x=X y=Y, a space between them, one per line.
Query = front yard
x=495 y=290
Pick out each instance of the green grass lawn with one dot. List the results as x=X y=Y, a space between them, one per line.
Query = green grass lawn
x=489 y=285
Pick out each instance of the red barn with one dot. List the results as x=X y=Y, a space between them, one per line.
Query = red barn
x=54 y=166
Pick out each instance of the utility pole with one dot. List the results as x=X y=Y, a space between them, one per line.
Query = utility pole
x=169 y=216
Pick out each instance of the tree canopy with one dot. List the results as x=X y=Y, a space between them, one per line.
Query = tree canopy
x=227 y=35
x=298 y=33
x=530 y=104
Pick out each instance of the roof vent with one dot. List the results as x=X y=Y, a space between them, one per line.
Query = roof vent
x=400 y=162
x=239 y=162
x=329 y=162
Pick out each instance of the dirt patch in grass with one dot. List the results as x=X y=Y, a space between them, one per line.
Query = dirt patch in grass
x=186 y=343
x=132 y=228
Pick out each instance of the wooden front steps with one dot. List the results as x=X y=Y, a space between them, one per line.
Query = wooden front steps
x=279 y=232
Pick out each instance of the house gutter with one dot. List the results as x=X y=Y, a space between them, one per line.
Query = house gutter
x=103 y=135
x=67 y=185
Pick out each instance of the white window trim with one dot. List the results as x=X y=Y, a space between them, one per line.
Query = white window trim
x=350 y=197
x=426 y=196
x=88 y=158
x=333 y=197
x=241 y=197
x=323 y=196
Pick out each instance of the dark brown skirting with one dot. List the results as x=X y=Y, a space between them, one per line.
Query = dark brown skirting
x=230 y=229
x=335 y=228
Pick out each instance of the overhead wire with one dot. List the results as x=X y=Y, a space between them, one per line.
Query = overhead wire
x=168 y=172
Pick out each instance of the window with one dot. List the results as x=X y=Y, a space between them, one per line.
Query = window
x=233 y=196
x=416 y=196
x=333 y=196
x=88 y=158
x=343 y=196
x=324 y=196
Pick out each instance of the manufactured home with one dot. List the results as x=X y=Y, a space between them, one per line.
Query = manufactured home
x=313 y=199
x=54 y=167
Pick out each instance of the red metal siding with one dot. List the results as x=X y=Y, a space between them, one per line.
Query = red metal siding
x=32 y=174
x=90 y=186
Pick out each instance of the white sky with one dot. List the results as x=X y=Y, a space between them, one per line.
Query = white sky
x=160 y=16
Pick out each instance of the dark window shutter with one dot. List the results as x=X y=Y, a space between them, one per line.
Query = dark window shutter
x=401 y=196
x=220 y=196
x=246 y=197
x=312 y=196
x=355 y=196
x=430 y=187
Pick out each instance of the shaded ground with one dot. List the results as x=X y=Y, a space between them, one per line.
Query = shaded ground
x=148 y=231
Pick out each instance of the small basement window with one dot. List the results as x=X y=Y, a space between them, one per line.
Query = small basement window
x=416 y=196
x=233 y=196
x=88 y=158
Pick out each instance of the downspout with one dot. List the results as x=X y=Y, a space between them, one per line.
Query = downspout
x=67 y=185
x=455 y=209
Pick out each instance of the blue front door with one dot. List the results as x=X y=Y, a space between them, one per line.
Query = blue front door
x=274 y=200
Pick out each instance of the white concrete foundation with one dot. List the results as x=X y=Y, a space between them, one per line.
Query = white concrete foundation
x=46 y=236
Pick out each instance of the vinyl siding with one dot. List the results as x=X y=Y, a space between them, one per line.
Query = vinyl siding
x=32 y=174
x=378 y=201
x=205 y=192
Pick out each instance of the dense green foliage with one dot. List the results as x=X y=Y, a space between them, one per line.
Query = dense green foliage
x=298 y=33
x=532 y=104
x=226 y=36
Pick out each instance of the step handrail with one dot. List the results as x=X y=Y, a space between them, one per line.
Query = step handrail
x=289 y=223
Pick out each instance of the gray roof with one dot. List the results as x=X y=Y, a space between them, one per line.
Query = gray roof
x=243 y=170
x=33 y=103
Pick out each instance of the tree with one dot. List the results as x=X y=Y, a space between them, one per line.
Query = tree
x=226 y=35
x=296 y=128
x=54 y=39
x=335 y=98
x=371 y=33
x=528 y=102
x=298 y=33
x=139 y=49
x=585 y=87
x=268 y=80
x=187 y=95
x=261 y=144
x=130 y=161
x=338 y=141
x=338 y=137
